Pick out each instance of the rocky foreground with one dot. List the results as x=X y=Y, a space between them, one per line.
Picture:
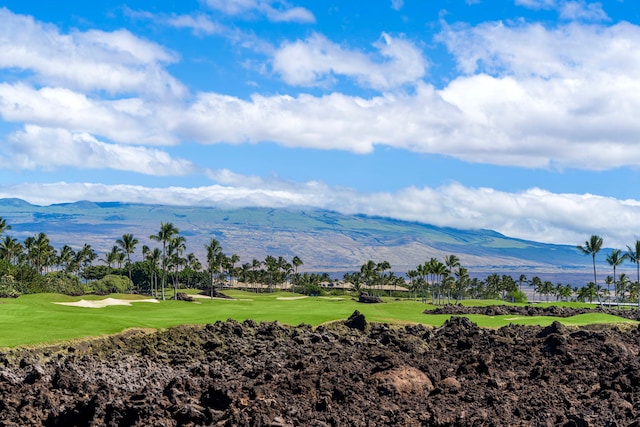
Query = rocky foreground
x=344 y=374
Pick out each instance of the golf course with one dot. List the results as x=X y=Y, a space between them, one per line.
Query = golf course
x=49 y=318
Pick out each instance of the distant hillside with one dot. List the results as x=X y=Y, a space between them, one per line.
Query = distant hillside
x=324 y=240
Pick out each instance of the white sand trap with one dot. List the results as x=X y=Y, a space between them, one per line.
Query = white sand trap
x=291 y=298
x=104 y=302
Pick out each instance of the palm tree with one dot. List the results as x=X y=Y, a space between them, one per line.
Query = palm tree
x=592 y=247
x=297 y=262
x=381 y=267
x=622 y=286
x=633 y=254
x=111 y=257
x=10 y=248
x=65 y=258
x=451 y=261
x=272 y=268
x=177 y=246
x=128 y=244
x=614 y=259
x=166 y=233
x=3 y=225
x=521 y=280
x=86 y=256
x=462 y=278
x=367 y=270
x=213 y=249
x=233 y=259
x=153 y=257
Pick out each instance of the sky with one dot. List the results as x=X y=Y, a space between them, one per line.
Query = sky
x=519 y=116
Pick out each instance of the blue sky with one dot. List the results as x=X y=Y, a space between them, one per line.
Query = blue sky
x=518 y=116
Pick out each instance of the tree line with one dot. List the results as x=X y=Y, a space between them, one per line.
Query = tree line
x=623 y=288
x=34 y=265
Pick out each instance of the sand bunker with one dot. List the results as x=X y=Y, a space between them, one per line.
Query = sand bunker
x=104 y=302
x=291 y=298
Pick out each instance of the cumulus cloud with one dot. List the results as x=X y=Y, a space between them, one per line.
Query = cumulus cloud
x=116 y=62
x=128 y=120
x=533 y=214
x=50 y=149
x=273 y=10
x=316 y=60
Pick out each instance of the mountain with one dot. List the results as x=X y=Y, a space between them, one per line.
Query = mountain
x=324 y=240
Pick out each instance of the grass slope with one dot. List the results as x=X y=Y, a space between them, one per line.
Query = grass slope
x=34 y=319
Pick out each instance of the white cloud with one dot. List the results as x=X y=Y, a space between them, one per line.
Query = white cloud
x=538 y=4
x=397 y=4
x=580 y=10
x=569 y=9
x=316 y=60
x=533 y=214
x=529 y=96
x=273 y=10
x=116 y=62
x=130 y=120
x=199 y=24
x=37 y=148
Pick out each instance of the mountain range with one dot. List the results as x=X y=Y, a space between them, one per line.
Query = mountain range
x=324 y=240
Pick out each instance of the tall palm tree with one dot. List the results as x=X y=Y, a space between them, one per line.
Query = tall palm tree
x=10 y=248
x=166 y=233
x=153 y=257
x=65 y=257
x=633 y=254
x=111 y=257
x=128 y=244
x=177 y=246
x=233 y=259
x=522 y=279
x=592 y=247
x=214 y=250
x=614 y=259
x=86 y=256
x=462 y=279
x=297 y=262
x=272 y=268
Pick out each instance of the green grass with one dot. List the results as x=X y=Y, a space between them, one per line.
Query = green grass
x=34 y=319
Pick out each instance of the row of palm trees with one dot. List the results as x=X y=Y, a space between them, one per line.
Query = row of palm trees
x=38 y=253
x=615 y=258
x=440 y=280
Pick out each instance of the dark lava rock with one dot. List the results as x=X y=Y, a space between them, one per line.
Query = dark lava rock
x=356 y=321
x=531 y=310
x=368 y=299
x=214 y=293
x=181 y=296
x=352 y=373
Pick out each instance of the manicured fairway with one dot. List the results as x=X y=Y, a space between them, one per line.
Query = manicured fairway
x=33 y=319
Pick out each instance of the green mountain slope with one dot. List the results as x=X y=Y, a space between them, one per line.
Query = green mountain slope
x=324 y=240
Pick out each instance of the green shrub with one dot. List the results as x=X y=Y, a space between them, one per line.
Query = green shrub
x=516 y=296
x=8 y=287
x=110 y=284
x=63 y=283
